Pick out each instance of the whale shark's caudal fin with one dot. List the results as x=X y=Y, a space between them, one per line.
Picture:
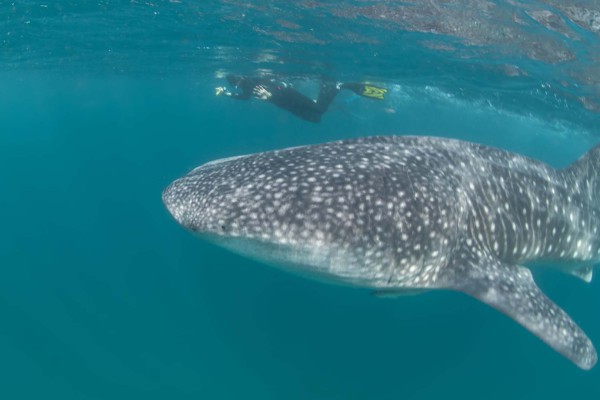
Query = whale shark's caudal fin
x=511 y=290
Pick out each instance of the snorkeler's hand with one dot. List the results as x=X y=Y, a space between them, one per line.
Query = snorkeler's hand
x=261 y=93
x=221 y=90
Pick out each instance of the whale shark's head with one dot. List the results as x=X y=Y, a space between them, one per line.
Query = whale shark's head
x=265 y=206
x=303 y=207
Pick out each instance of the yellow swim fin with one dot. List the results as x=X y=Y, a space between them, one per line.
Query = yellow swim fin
x=365 y=90
x=373 y=92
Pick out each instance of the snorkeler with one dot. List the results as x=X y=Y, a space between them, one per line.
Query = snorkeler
x=283 y=95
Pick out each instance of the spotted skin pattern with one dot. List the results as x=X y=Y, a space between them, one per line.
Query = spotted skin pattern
x=398 y=214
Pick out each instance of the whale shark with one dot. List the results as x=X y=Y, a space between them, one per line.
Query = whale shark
x=404 y=214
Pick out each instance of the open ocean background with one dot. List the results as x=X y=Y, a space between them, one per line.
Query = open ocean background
x=104 y=103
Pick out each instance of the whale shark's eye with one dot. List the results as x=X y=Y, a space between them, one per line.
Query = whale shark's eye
x=224 y=228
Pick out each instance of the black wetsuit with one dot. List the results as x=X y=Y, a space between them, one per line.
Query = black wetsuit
x=284 y=96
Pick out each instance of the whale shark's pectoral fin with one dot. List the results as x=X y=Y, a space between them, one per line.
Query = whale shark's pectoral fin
x=511 y=290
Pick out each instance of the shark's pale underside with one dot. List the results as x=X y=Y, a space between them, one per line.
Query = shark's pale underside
x=399 y=214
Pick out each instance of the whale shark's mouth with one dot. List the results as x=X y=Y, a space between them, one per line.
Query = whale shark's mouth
x=322 y=262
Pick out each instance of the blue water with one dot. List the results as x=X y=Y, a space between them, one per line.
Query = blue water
x=103 y=103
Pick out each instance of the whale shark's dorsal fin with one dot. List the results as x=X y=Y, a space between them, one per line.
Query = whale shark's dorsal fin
x=511 y=290
x=585 y=173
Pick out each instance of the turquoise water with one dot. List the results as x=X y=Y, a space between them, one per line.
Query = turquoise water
x=104 y=296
